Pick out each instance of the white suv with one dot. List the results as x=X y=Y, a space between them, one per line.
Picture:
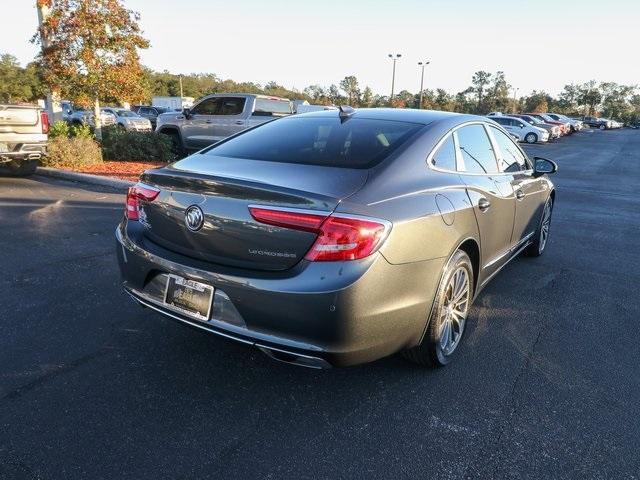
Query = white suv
x=521 y=129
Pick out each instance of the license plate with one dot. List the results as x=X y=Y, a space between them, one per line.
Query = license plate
x=189 y=297
x=4 y=147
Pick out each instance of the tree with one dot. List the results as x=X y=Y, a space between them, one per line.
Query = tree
x=498 y=95
x=590 y=96
x=480 y=81
x=90 y=52
x=367 y=97
x=350 y=86
x=13 y=88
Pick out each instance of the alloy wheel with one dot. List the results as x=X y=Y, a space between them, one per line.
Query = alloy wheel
x=544 y=227
x=453 y=315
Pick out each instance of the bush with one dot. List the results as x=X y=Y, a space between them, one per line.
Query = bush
x=74 y=152
x=59 y=129
x=136 y=146
x=81 y=131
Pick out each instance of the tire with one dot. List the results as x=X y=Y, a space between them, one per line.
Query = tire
x=178 y=148
x=18 y=168
x=531 y=138
x=541 y=237
x=435 y=350
x=602 y=127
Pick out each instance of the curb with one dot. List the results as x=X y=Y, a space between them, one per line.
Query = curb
x=84 y=178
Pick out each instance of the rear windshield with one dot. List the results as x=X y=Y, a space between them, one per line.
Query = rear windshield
x=326 y=141
x=272 y=105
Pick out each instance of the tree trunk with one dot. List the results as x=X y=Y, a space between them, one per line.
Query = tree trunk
x=97 y=120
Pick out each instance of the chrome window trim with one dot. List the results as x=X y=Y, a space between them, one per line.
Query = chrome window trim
x=453 y=132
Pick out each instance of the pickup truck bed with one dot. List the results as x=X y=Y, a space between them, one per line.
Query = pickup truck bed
x=23 y=138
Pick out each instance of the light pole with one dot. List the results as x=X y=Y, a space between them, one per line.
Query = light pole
x=393 y=77
x=422 y=64
x=54 y=110
x=515 y=93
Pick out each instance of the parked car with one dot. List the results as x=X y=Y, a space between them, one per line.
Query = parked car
x=23 y=138
x=594 y=122
x=150 y=113
x=574 y=125
x=87 y=117
x=219 y=116
x=128 y=120
x=521 y=129
x=325 y=239
x=564 y=130
x=554 y=130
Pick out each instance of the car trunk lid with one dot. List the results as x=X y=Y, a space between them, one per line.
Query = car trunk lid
x=223 y=189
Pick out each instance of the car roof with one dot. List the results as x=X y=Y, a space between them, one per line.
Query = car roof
x=410 y=115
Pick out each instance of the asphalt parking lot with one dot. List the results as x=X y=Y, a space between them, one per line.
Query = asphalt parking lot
x=546 y=385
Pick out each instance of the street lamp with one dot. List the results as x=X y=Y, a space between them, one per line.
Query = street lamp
x=422 y=64
x=393 y=77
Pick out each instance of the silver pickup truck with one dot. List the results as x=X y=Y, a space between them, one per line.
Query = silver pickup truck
x=219 y=116
x=23 y=138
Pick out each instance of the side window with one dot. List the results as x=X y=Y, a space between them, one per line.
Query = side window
x=210 y=106
x=232 y=106
x=445 y=156
x=510 y=157
x=501 y=121
x=144 y=111
x=476 y=150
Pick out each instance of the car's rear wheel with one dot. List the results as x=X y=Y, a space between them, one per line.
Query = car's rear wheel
x=531 y=138
x=18 y=168
x=541 y=237
x=602 y=127
x=448 y=315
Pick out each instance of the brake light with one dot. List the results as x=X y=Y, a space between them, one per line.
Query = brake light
x=339 y=237
x=347 y=238
x=44 y=121
x=309 y=222
x=136 y=193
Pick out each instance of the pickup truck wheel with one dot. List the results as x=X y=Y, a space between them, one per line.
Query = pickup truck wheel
x=18 y=168
x=178 y=149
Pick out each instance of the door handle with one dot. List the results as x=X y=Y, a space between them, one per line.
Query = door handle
x=239 y=122
x=519 y=194
x=484 y=204
x=208 y=121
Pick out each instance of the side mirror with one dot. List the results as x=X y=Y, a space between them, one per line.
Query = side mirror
x=187 y=113
x=522 y=125
x=543 y=166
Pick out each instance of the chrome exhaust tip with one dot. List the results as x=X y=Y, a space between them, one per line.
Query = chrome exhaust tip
x=294 y=358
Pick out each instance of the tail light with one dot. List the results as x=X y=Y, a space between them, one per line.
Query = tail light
x=340 y=237
x=136 y=193
x=44 y=121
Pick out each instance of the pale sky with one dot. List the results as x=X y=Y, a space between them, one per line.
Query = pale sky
x=542 y=44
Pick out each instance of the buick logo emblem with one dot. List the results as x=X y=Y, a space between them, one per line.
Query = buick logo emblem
x=194 y=218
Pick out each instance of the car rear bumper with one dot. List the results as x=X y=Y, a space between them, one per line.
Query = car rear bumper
x=315 y=314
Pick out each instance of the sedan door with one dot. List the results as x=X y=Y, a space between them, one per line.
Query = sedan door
x=491 y=195
x=200 y=129
x=530 y=192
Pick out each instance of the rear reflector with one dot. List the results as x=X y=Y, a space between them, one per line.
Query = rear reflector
x=44 y=120
x=340 y=237
x=136 y=193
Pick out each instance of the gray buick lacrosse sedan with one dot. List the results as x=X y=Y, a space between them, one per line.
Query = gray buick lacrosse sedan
x=337 y=237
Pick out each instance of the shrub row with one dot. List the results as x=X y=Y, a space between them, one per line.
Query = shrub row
x=74 y=146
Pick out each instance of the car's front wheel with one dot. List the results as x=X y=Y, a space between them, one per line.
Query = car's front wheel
x=448 y=315
x=531 y=138
x=542 y=234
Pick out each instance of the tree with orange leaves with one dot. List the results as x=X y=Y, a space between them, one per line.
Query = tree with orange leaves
x=90 y=52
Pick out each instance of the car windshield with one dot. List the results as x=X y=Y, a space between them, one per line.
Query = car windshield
x=161 y=109
x=125 y=113
x=325 y=141
x=547 y=117
x=534 y=120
